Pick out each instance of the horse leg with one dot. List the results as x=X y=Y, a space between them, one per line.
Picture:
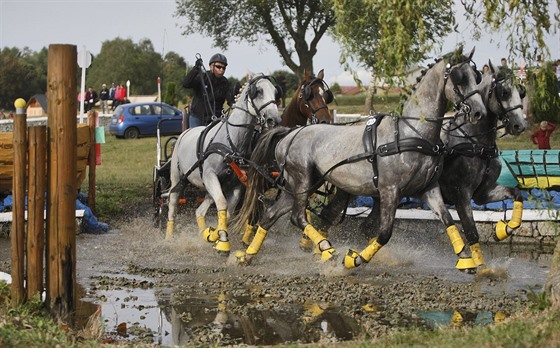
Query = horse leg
x=213 y=186
x=434 y=199
x=300 y=219
x=176 y=188
x=495 y=193
x=387 y=208
x=464 y=209
x=280 y=207
x=209 y=233
x=328 y=215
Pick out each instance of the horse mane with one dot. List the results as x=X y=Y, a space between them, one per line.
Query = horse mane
x=453 y=58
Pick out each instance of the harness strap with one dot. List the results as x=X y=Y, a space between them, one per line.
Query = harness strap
x=473 y=150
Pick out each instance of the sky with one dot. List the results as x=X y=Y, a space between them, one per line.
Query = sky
x=88 y=23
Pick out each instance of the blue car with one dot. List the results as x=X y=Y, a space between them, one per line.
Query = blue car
x=135 y=120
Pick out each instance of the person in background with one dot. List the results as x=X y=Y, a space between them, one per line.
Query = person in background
x=542 y=136
x=485 y=69
x=104 y=99
x=90 y=99
x=558 y=74
x=504 y=69
x=112 y=91
x=120 y=96
x=211 y=89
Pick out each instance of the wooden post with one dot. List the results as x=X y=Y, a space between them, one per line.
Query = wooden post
x=92 y=122
x=61 y=176
x=36 y=209
x=17 y=234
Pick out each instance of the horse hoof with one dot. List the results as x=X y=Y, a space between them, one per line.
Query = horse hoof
x=329 y=254
x=223 y=247
x=210 y=234
x=466 y=264
x=352 y=259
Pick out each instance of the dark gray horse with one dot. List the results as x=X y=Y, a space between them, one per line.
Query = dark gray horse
x=472 y=167
x=394 y=157
x=206 y=156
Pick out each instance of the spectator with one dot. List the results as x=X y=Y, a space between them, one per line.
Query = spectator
x=90 y=99
x=504 y=70
x=558 y=74
x=104 y=99
x=211 y=90
x=120 y=96
x=485 y=69
x=542 y=136
x=112 y=91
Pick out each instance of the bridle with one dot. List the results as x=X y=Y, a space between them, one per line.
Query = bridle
x=307 y=98
x=461 y=106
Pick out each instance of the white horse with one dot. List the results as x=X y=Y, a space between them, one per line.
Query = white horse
x=208 y=156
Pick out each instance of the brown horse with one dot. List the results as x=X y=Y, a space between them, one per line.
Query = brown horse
x=309 y=103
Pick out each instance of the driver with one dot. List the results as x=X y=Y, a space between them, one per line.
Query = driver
x=210 y=88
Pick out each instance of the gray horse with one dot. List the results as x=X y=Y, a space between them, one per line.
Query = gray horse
x=471 y=166
x=394 y=157
x=208 y=156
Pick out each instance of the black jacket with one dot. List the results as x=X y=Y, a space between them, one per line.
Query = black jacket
x=218 y=93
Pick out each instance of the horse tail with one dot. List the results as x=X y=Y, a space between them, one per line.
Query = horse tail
x=262 y=156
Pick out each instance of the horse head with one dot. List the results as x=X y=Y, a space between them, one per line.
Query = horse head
x=463 y=90
x=504 y=100
x=313 y=96
x=262 y=93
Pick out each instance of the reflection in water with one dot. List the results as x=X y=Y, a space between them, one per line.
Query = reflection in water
x=455 y=318
x=204 y=321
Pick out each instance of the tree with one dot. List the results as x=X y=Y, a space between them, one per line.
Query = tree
x=121 y=60
x=286 y=24
x=19 y=77
x=170 y=96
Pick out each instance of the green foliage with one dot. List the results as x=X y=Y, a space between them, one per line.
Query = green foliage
x=22 y=75
x=293 y=28
x=335 y=88
x=171 y=96
x=387 y=36
x=524 y=23
x=543 y=94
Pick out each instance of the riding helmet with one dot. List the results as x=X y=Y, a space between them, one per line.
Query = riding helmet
x=220 y=58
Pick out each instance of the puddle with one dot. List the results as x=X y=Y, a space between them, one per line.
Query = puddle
x=132 y=309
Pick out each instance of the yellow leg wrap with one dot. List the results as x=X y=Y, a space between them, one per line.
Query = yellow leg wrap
x=503 y=229
x=465 y=264
x=210 y=234
x=308 y=215
x=257 y=241
x=201 y=222
x=169 y=231
x=370 y=250
x=456 y=319
x=456 y=240
x=222 y=244
x=247 y=234
x=316 y=237
x=313 y=234
x=477 y=254
x=222 y=220
x=515 y=221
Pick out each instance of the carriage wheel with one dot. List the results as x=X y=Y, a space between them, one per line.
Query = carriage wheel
x=168 y=147
x=160 y=205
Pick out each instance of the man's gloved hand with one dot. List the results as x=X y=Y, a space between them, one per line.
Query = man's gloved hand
x=199 y=63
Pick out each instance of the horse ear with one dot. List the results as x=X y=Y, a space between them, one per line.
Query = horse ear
x=492 y=69
x=472 y=53
x=321 y=74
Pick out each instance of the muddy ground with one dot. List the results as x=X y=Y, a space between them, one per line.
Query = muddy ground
x=287 y=295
